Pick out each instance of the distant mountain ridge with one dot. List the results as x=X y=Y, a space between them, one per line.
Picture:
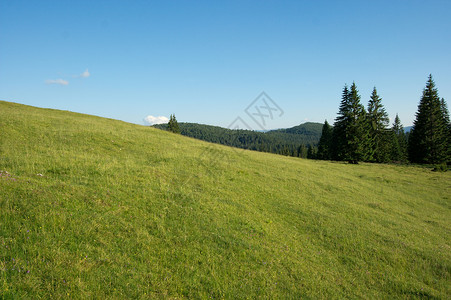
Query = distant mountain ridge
x=292 y=141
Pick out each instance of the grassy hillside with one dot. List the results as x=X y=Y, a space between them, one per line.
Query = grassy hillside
x=94 y=208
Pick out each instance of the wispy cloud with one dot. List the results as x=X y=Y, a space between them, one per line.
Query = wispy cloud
x=151 y=120
x=57 y=81
x=61 y=81
x=85 y=74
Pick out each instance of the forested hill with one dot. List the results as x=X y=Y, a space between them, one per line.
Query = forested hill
x=290 y=141
x=306 y=134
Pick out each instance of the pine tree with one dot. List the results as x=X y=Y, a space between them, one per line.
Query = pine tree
x=351 y=137
x=429 y=138
x=325 y=142
x=379 y=133
x=173 y=125
x=399 y=142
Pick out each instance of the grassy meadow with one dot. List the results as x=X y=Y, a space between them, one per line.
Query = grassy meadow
x=99 y=208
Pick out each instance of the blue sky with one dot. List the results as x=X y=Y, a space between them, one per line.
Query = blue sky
x=206 y=61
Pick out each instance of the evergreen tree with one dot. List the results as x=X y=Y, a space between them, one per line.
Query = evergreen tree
x=445 y=112
x=312 y=152
x=325 y=143
x=302 y=151
x=399 y=141
x=285 y=151
x=429 y=138
x=339 y=133
x=351 y=129
x=173 y=125
x=379 y=133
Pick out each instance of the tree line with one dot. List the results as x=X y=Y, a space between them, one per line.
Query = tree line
x=360 y=134
x=298 y=141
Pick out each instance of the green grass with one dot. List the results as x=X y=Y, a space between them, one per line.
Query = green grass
x=123 y=210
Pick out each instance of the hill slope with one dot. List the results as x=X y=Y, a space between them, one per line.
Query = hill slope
x=92 y=208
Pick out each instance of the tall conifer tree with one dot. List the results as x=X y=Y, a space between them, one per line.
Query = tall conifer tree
x=325 y=143
x=339 y=133
x=399 y=146
x=351 y=130
x=358 y=136
x=173 y=125
x=446 y=117
x=379 y=134
x=429 y=138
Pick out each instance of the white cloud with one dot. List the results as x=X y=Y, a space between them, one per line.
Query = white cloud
x=85 y=74
x=57 y=81
x=151 y=120
x=61 y=81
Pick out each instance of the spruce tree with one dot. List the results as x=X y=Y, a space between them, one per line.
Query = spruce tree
x=379 y=133
x=173 y=125
x=429 y=138
x=445 y=112
x=325 y=143
x=359 y=141
x=302 y=151
x=339 y=133
x=399 y=142
x=351 y=137
x=312 y=152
